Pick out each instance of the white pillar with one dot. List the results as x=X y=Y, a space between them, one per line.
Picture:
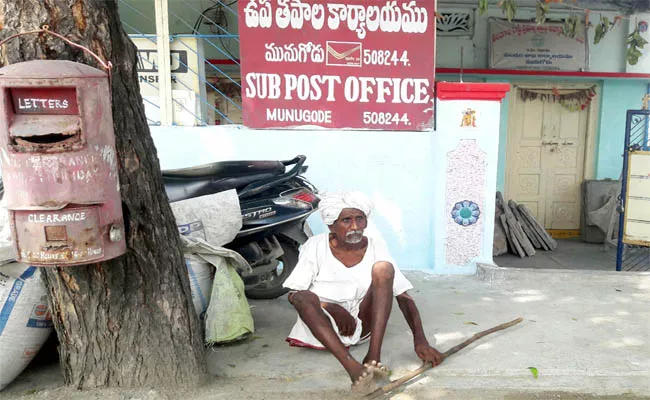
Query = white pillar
x=164 y=63
x=466 y=145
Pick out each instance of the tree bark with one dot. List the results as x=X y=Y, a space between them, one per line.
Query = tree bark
x=127 y=322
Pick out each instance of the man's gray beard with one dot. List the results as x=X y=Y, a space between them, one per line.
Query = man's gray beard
x=354 y=237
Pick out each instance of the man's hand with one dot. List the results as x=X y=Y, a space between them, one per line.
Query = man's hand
x=344 y=320
x=428 y=353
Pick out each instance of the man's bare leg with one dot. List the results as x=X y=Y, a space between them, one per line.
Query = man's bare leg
x=309 y=308
x=376 y=307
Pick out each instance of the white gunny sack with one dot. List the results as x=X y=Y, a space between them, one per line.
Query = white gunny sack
x=201 y=276
x=25 y=321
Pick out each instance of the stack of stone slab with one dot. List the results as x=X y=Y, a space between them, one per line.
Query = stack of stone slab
x=523 y=234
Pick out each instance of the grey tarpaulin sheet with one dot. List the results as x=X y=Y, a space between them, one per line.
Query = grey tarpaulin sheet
x=214 y=254
x=214 y=218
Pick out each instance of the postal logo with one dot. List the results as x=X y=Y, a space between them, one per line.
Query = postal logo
x=469 y=118
x=344 y=54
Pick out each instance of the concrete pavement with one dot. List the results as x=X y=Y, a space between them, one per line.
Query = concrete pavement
x=586 y=333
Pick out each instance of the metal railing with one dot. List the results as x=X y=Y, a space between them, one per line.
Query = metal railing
x=633 y=252
x=204 y=47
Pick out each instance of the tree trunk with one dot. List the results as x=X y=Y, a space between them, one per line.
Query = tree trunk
x=126 y=322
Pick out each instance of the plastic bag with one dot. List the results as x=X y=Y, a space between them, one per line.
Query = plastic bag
x=228 y=317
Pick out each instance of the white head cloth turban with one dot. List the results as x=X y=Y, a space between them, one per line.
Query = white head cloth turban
x=332 y=204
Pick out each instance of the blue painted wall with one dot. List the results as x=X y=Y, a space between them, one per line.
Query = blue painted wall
x=393 y=168
x=618 y=97
x=397 y=169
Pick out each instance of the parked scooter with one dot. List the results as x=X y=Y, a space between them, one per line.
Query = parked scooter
x=275 y=204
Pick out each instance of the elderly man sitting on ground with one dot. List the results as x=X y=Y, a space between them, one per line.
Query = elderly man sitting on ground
x=342 y=288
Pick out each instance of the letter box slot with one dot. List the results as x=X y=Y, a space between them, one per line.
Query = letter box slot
x=59 y=163
x=45 y=120
x=56 y=233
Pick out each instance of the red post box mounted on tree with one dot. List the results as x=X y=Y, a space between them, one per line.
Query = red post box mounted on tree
x=59 y=164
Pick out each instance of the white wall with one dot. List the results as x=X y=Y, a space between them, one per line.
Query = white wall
x=393 y=168
x=405 y=173
x=607 y=56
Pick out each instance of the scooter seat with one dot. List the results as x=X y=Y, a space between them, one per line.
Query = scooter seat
x=186 y=187
x=224 y=169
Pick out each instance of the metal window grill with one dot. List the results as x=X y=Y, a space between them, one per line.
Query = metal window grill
x=204 y=58
x=633 y=252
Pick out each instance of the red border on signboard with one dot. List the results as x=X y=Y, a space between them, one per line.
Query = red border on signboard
x=352 y=64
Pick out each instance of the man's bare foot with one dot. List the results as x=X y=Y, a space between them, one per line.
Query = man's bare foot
x=379 y=370
x=365 y=383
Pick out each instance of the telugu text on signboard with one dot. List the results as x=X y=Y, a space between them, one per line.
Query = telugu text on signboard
x=358 y=64
x=530 y=46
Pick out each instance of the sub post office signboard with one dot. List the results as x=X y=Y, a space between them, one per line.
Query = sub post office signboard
x=358 y=64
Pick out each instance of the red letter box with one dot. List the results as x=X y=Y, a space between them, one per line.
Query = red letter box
x=59 y=164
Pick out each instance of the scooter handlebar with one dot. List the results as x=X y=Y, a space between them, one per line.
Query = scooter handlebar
x=258 y=187
x=298 y=159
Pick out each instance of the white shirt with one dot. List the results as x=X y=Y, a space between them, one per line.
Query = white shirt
x=323 y=274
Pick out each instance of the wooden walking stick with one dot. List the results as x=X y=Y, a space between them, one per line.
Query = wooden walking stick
x=426 y=366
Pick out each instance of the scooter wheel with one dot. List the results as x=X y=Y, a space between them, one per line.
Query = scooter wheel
x=270 y=286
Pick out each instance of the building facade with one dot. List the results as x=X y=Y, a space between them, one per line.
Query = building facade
x=546 y=147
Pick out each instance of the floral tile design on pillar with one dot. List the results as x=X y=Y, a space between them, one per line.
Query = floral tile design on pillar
x=465 y=197
x=466 y=213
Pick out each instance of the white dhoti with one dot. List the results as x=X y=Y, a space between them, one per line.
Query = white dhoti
x=301 y=336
